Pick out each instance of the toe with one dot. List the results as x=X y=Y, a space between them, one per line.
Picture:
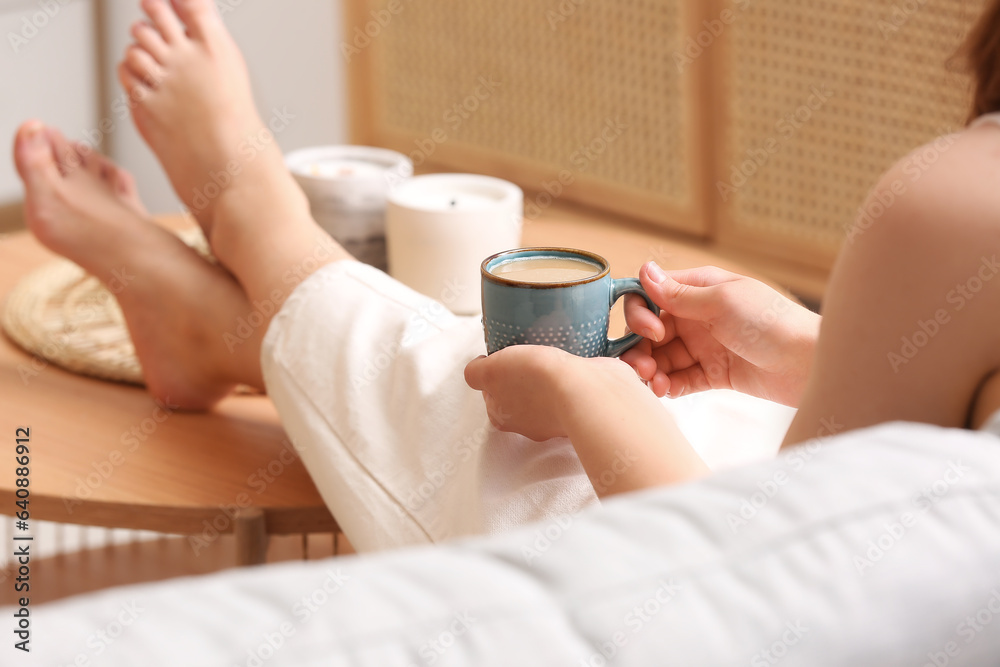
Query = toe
x=118 y=181
x=91 y=160
x=143 y=66
x=97 y=164
x=121 y=183
x=164 y=19
x=132 y=84
x=34 y=157
x=146 y=36
x=124 y=185
x=200 y=16
x=67 y=158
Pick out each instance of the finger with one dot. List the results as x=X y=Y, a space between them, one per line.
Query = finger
x=703 y=276
x=641 y=319
x=693 y=302
x=660 y=384
x=475 y=373
x=669 y=328
x=499 y=417
x=688 y=381
x=678 y=354
x=640 y=358
x=491 y=411
x=673 y=356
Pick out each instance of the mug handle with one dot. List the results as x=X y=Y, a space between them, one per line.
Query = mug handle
x=620 y=288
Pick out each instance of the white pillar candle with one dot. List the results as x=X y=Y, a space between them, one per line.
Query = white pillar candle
x=440 y=228
x=347 y=188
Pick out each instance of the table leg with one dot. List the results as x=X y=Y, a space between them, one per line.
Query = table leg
x=250 y=530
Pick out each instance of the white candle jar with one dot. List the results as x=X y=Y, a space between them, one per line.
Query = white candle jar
x=347 y=188
x=440 y=227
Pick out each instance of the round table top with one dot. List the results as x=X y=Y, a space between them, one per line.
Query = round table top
x=105 y=454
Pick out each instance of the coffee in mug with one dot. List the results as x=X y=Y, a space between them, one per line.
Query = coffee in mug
x=547 y=270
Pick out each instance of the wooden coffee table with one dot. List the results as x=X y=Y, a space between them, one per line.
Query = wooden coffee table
x=104 y=454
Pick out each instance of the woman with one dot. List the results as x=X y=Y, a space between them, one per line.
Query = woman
x=405 y=454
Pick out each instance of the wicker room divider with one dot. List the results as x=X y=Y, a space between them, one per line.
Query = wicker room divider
x=759 y=124
x=842 y=90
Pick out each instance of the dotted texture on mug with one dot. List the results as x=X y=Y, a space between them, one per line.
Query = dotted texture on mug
x=587 y=340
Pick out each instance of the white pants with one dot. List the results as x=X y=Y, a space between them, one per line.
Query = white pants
x=368 y=378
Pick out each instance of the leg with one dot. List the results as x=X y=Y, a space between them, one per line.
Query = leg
x=911 y=323
x=366 y=374
x=250 y=531
x=193 y=105
x=367 y=377
x=176 y=304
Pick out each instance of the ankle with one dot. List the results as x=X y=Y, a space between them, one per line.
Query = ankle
x=263 y=191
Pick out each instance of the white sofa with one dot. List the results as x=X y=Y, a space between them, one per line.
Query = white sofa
x=877 y=547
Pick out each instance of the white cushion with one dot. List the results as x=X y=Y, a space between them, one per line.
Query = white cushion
x=877 y=547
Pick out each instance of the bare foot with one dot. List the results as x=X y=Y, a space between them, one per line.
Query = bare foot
x=195 y=109
x=177 y=305
x=193 y=103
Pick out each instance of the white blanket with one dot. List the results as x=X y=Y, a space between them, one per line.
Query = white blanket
x=878 y=547
x=368 y=378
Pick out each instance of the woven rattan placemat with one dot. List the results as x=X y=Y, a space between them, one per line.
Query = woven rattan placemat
x=66 y=317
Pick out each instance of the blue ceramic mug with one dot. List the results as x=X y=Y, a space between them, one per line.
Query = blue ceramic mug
x=569 y=314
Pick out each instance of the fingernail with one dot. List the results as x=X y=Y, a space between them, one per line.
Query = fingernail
x=648 y=333
x=655 y=272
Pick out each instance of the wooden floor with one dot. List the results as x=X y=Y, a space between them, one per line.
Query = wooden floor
x=140 y=562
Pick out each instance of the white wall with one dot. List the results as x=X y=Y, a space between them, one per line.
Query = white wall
x=50 y=77
x=290 y=46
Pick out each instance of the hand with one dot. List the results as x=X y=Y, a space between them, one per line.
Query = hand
x=720 y=330
x=529 y=389
x=521 y=387
x=624 y=438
